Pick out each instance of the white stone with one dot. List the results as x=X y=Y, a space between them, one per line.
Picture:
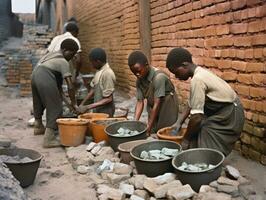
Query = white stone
x=105 y=151
x=121 y=168
x=142 y=193
x=213 y=196
x=90 y=146
x=96 y=149
x=115 y=178
x=161 y=191
x=150 y=185
x=180 y=193
x=139 y=181
x=135 y=197
x=126 y=188
x=165 y=178
x=232 y=172
x=82 y=169
x=206 y=188
x=110 y=193
x=226 y=181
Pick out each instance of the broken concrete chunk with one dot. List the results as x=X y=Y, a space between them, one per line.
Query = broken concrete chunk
x=135 y=197
x=139 y=181
x=197 y=167
x=82 y=169
x=96 y=149
x=142 y=193
x=229 y=189
x=161 y=191
x=170 y=152
x=150 y=185
x=126 y=188
x=183 y=192
x=212 y=196
x=231 y=172
x=121 y=168
x=226 y=181
x=91 y=146
x=115 y=178
x=107 y=165
x=125 y=132
x=165 y=178
x=206 y=188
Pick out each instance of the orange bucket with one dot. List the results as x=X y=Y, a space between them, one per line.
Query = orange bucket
x=164 y=134
x=98 y=126
x=72 y=131
x=91 y=116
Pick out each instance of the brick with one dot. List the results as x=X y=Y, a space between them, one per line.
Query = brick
x=205 y=3
x=264 y=52
x=196 y=5
x=254 y=155
x=259 y=79
x=225 y=41
x=257 y=92
x=242 y=90
x=262 y=119
x=263 y=159
x=210 y=31
x=223 y=7
x=237 y=145
x=255 y=117
x=249 y=53
x=222 y=30
x=248 y=127
x=261 y=11
x=237 y=4
x=248 y=115
x=252 y=12
x=209 y=10
x=245 y=150
x=238 y=28
x=259 y=39
x=258 y=53
x=223 y=64
x=255 y=67
x=255 y=26
x=229 y=76
x=210 y=43
x=253 y=2
x=242 y=41
x=239 y=65
x=240 y=54
x=244 y=78
x=245 y=138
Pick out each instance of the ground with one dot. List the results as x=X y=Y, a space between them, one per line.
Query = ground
x=55 y=178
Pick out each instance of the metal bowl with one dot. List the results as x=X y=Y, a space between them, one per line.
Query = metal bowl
x=26 y=172
x=152 y=168
x=198 y=155
x=114 y=140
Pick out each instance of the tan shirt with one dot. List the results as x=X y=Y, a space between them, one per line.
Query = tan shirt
x=206 y=84
x=105 y=77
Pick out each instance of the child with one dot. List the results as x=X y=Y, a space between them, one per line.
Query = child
x=102 y=85
x=155 y=86
x=217 y=116
x=47 y=79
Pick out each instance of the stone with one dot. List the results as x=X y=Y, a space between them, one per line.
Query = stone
x=126 y=188
x=142 y=193
x=121 y=168
x=246 y=191
x=96 y=179
x=135 y=197
x=242 y=180
x=102 y=157
x=96 y=149
x=90 y=146
x=212 y=196
x=206 y=188
x=150 y=185
x=165 y=178
x=161 y=191
x=5 y=141
x=229 y=189
x=214 y=184
x=256 y=197
x=226 y=181
x=132 y=163
x=82 y=169
x=105 y=151
x=110 y=193
x=115 y=178
x=180 y=193
x=231 y=172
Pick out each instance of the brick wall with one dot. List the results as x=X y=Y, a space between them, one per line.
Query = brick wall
x=227 y=37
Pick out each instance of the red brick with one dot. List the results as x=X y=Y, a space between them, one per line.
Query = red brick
x=197 y=23
x=258 y=53
x=209 y=62
x=242 y=41
x=229 y=76
x=239 y=65
x=261 y=11
x=259 y=40
x=252 y=2
x=238 y=28
x=259 y=79
x=225 y=41
x=255 y=67
x=209 y=10
x=210 y=31
x=210 y=43
x=196 y=5
x=223 y=7
x=244 y=78
x=255 y=26
x=223 y=64
x=242 y=90
x=222 y=29
x=264 y=52
x=257 y=92
x=237 y=4
x=240 y=54
x=251 y=12
x=205 y=3
x=249 y=53
x=262 y=119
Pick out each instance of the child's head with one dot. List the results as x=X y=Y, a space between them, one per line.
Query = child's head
x=97 y=57
x=69 y=48
x=73 y=28
x=179 y=62
x=138 y=64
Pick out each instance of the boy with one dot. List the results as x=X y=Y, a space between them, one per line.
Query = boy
x=47 y=79
x=155 y=86
x=217 y=116
x=102 y=85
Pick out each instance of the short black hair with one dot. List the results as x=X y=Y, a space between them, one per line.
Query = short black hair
x=137 y=57
x=97 y=54
x=72 y=19
x=69 y=44
x=177 y=56
x=72 y=27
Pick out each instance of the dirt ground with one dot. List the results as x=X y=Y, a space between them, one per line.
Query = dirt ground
x=55 y=178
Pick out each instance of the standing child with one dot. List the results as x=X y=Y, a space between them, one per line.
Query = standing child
x=102 y=85
x=155 y=86
x=216 y=113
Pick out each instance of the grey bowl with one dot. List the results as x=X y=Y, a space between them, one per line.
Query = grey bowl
x=25 y=173
x=152 y=168
x=114 y=140
x=198 y=155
